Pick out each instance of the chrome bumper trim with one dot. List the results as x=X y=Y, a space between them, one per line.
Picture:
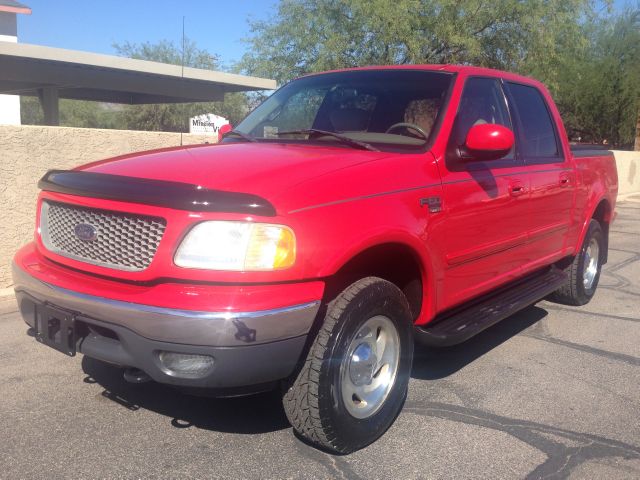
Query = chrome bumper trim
x=220 y=329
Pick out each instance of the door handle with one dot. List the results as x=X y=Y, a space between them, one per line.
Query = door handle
x=517 y=189
x=565 y=180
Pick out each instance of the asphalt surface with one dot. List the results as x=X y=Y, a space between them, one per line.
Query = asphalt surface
x=552 y=392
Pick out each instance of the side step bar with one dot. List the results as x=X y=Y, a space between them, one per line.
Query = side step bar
x=462 y=323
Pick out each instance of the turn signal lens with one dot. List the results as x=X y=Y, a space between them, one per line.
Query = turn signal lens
x=272 y=247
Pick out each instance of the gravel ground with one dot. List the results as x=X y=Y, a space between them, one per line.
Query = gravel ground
x=552 y=392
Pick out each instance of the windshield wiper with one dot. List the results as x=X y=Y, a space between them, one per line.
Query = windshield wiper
x=342 y=138
x=237 y=133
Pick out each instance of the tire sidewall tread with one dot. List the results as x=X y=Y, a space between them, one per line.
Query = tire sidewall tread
x=573 y=292
x=328 y=424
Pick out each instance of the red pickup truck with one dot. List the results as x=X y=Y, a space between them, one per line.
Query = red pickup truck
x=349 y=214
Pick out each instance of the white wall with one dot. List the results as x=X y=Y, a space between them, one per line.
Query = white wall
x=9 y=104
x=628 y=164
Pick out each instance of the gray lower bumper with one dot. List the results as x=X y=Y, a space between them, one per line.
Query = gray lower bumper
x=234 y=367
x=220 y=329
x=249 y=349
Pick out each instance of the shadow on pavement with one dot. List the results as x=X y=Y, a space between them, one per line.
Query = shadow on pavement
x=263 y=412
x=259 y=413
x=435 y=363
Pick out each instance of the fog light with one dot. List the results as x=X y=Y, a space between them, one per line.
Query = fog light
x=185 y=365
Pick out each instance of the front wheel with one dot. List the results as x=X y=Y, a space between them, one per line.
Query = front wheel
x=354 y=380
x=584 y=271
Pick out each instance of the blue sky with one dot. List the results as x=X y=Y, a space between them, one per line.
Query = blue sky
x=94 y=25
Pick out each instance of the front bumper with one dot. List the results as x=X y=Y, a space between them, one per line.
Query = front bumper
x=249 y=348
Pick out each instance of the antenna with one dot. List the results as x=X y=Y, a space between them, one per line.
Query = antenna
x=183 y=46
x=182 y=73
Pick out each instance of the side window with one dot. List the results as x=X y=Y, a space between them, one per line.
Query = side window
x=537 y=134
x=482 y=101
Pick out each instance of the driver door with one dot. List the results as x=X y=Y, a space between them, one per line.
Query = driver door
x=486 y=203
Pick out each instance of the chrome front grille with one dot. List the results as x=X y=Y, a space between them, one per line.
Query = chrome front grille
x=123 y=241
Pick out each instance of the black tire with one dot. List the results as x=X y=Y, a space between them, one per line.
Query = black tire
x=574 y=291
x=314 y=404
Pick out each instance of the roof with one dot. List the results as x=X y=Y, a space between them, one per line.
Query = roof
x=11 y=6
x=468 y=70
x=81 y=75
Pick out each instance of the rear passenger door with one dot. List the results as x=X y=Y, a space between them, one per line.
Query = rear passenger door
x=552 y=178
x=486 y=203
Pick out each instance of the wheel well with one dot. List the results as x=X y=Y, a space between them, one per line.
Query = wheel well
x=602 y=214
x=396 y=263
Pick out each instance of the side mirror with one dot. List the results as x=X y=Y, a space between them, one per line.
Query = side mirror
x=488 y=142
x=224 y=129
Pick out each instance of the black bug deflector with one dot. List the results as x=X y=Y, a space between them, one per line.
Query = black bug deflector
x=162 y=193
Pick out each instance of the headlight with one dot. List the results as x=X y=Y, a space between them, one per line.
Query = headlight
x=239 y=246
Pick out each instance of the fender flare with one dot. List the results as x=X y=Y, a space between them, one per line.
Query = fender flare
x=585 y=226
x=402 y=239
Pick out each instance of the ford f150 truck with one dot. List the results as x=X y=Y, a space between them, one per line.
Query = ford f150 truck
x=348 y=215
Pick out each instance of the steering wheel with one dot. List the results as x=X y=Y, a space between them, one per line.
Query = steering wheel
x=410 y=126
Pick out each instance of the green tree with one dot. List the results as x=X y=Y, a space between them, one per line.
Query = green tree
x=175 y=117
x=314 y=35
x=588 y=58
x=31 y=111
x=599 y=89
x=74 y=113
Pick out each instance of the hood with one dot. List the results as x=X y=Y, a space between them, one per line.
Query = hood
x=261 y=169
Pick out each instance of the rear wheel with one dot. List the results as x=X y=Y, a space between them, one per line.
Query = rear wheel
x=584 y=271
x=354 y=380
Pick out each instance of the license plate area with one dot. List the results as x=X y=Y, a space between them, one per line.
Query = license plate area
x=56 y=328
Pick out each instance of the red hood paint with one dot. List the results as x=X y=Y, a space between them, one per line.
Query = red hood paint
x=262 y=169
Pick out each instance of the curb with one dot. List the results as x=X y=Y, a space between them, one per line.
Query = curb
x=629 y=197
x=6 y=292
x=7 y=301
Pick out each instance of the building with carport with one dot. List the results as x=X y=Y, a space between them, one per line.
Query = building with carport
x=54 y=73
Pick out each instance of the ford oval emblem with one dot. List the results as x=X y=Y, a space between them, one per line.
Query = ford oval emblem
x=86 y=232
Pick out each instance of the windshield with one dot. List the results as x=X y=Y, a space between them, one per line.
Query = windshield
x=389 y=109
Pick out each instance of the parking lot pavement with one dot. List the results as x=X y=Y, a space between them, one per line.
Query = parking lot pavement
x=551 y=392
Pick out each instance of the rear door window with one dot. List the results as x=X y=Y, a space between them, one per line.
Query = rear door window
x=538 y=142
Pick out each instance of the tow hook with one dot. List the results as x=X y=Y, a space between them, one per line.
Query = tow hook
x=135 y=375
